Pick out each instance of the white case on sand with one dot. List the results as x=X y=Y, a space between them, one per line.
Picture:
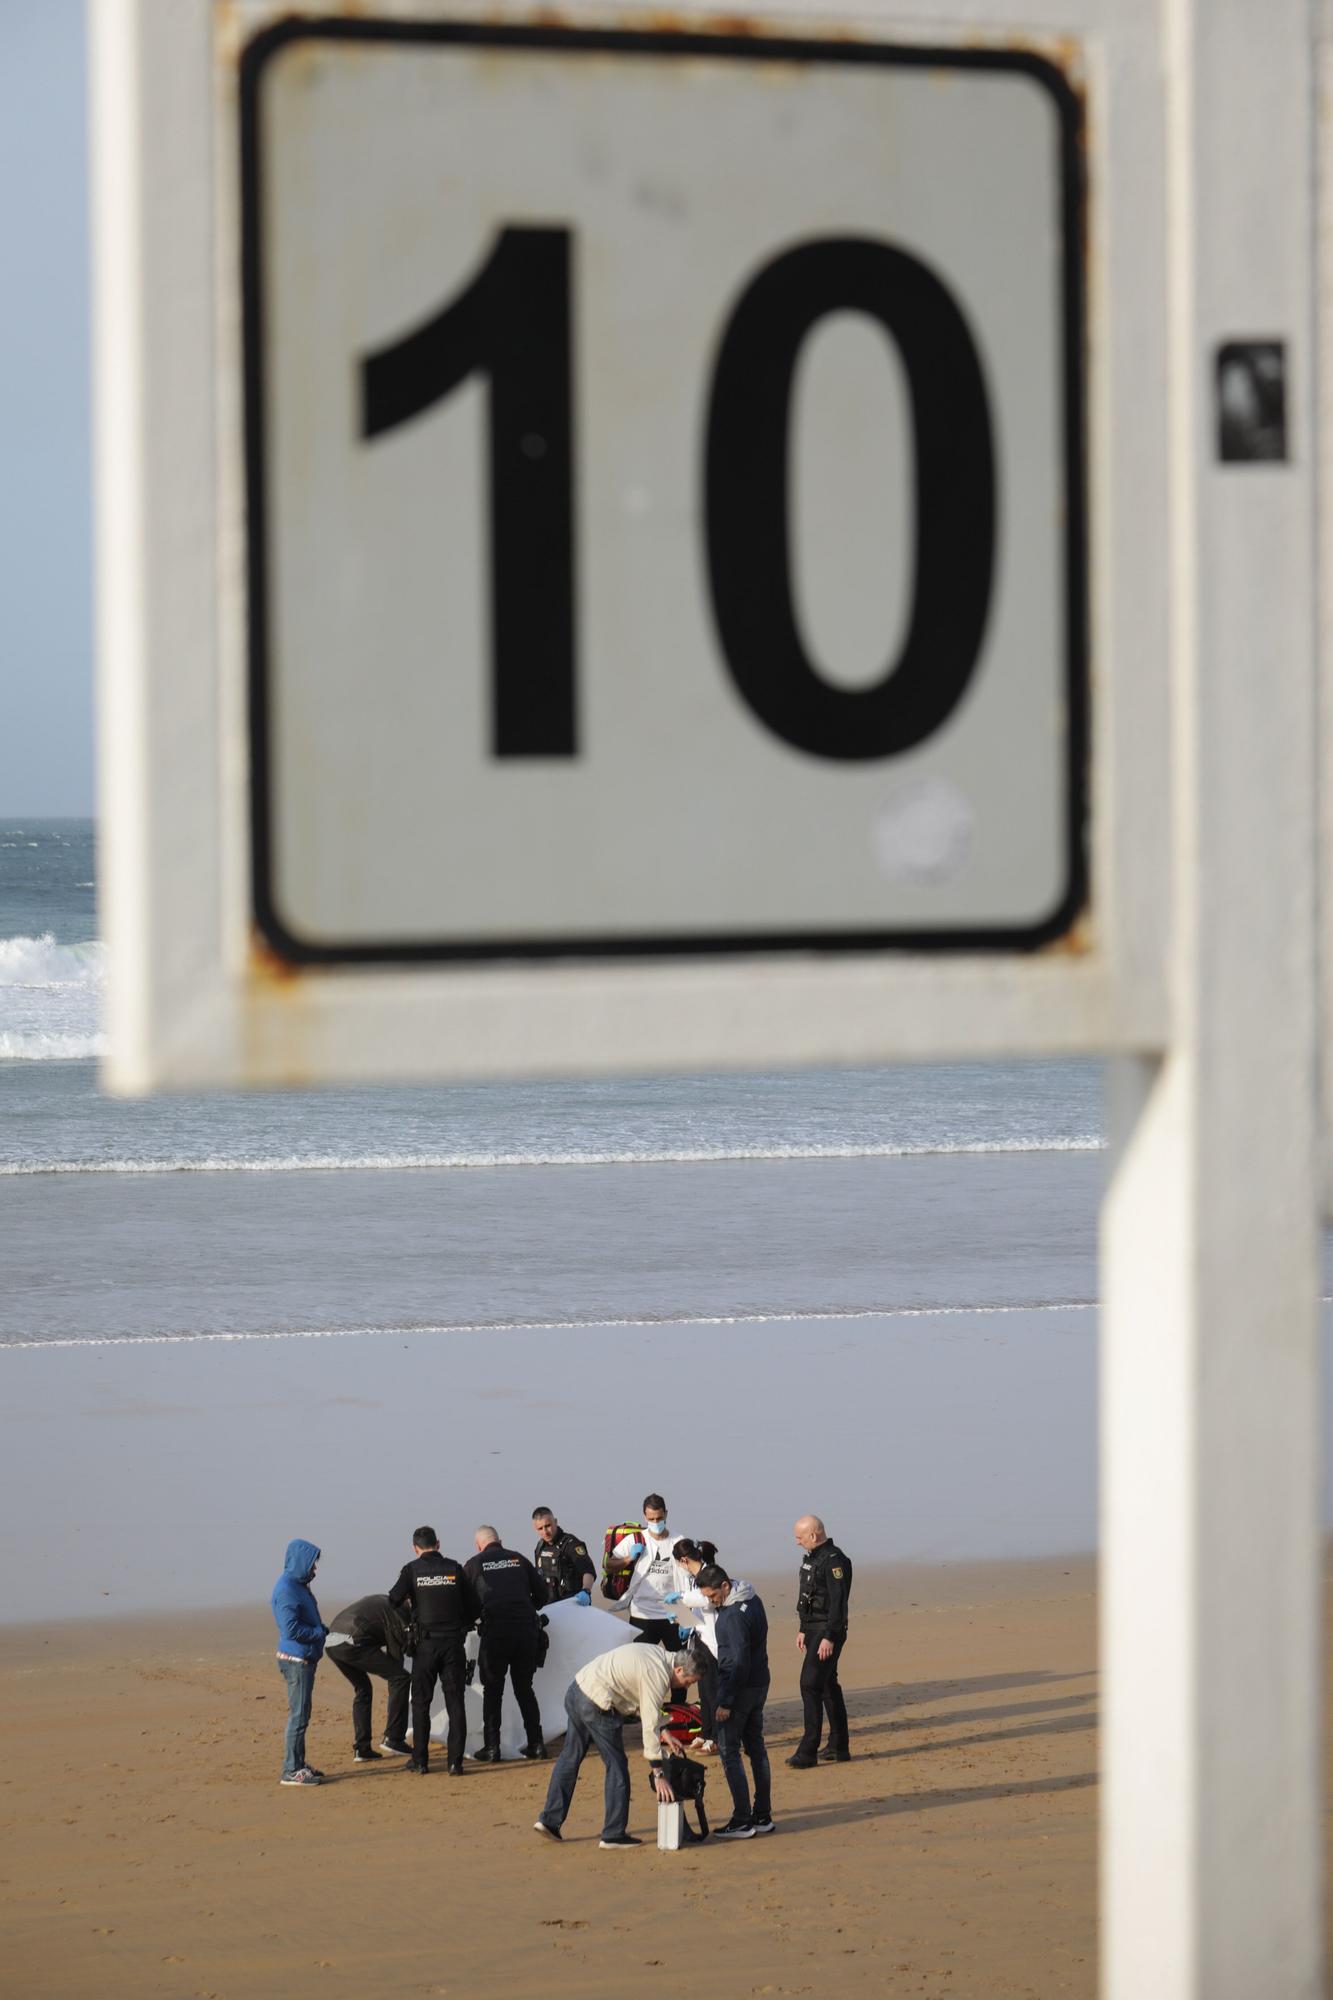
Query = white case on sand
x=669 y=1820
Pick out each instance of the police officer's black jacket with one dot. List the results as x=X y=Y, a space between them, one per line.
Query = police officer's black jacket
x=506 y=1586
x=825 y=1592
x=374 y=1621
x=562 y=1565
x=443 y=1602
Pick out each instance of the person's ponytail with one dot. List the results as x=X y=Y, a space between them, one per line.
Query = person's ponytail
x=686 y=1550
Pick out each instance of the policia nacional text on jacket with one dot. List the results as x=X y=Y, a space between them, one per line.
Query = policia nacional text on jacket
x=509 y=1592
x=444 y=1610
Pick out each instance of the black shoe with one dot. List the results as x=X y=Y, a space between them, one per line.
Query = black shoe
x=367 y=1756
x=831 y=1754
x=534 y=1752
x=622 y=1840
x=735 y=1829
x=393 y=1749
x=488 y=1754
x=551 y=1832
x=415 y=1769
x=761 y=1825
x=803 y=1761
x=457 y=1771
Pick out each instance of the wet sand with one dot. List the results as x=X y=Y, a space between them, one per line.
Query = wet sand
x=149 y=1850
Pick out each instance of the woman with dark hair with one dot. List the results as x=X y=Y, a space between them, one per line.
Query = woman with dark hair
x=692 y=1557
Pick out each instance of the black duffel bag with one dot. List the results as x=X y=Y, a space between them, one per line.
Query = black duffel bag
x=688 y=1781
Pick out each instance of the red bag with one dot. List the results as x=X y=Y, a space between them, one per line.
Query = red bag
x=615 y=1582
x=681 y=1723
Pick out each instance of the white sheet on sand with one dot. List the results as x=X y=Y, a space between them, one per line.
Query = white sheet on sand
x=579 y=1632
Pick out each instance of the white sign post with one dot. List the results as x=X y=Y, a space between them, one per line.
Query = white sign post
x=595 y=536
x=1211 y=1409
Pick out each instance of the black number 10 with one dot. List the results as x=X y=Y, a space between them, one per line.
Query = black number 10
x=513 y=324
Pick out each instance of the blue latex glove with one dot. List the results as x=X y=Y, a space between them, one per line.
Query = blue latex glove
x=582 y=1597
x=684 y=1634
x=672 y=1597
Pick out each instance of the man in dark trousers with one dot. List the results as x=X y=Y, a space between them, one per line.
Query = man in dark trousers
x=444 y=1610
x=561 y=1559
x=742 y=1690
x=370 y=1637
x=510 y=1593
x=821 y=1608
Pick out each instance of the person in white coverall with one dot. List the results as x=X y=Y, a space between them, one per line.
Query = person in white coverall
x=657 y=1581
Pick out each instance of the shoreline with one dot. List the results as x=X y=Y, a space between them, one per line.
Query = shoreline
x=829 y=1315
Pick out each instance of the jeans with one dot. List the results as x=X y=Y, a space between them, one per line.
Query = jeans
x=509 y=1648
x=589 y=1725
x=357 y=1664
x=705 y=1692
x=744 y=1730
x=300 y=1678
x=821 y=1692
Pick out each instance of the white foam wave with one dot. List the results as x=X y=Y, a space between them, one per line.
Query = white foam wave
x=49 y=1048
x=41 y=962
x=318 y=1163
x=50 y=999
x=683 y=1320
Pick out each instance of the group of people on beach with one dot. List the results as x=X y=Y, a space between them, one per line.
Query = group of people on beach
x=698 y=1634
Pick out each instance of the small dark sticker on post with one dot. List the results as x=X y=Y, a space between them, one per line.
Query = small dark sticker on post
x=1251 y=402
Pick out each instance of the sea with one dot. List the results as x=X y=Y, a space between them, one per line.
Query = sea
x=307 y=1167
x=867 y=1292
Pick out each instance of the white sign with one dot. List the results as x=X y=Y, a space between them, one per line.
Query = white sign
x=664 y=464
x=595 y=540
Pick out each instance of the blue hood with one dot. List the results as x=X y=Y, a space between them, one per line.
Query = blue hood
x=300 y=1560
x=300 y=1627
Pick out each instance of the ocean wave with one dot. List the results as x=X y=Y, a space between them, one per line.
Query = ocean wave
x=43 y=1047
x=50 y=999
x=321 y=1163
x=41 y=962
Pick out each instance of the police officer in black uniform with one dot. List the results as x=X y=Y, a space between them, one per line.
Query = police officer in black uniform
x=821 y=1607
x=510 y=1594
x=562 y=1560
x=444 y=1610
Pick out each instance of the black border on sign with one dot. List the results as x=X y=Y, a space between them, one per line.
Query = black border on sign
x=275 y=932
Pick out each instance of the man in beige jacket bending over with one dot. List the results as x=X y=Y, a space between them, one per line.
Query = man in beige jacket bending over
x=630 y=1680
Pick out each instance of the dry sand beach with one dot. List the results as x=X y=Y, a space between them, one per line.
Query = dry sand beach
x=150 y=1851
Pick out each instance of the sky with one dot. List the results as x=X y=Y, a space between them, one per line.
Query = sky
x=46 y=735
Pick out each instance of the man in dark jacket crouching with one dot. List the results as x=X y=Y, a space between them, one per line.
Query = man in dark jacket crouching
x=370 y=1637
x=742 y=1690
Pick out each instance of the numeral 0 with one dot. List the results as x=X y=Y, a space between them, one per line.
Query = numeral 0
x=513 y=325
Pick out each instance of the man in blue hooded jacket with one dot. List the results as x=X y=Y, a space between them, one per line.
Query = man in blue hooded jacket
x=301 y=1633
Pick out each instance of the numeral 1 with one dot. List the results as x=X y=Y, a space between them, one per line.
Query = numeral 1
x=512 y=324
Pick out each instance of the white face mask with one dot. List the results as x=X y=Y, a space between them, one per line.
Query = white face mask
x=658 y=1528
